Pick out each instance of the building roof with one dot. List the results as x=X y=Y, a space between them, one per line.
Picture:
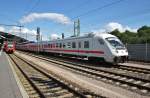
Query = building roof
x=8 y=36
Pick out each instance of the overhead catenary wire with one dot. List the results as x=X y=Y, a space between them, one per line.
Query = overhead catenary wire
x=9 y=19
x=17 y=23
x=78 y=6
x=97 y=9
x=11 y=25
x=29 y=11
x=93 y=10
x=33 y=7
x=133 y=14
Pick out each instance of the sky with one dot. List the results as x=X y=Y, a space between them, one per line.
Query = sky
x=57 y=16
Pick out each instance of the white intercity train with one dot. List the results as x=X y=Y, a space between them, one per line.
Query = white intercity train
x=94 y=46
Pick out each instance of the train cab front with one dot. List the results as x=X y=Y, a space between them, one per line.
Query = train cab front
x=118 y=49
x=120 y=59
x=10 y=50
x=121 y=55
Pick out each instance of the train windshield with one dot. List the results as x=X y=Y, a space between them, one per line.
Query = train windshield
x=10 y=46
x=115 y=42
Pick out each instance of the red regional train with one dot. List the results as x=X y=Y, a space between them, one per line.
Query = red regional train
x=9 y=46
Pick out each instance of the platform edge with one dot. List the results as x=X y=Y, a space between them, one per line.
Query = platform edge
x=20 y=86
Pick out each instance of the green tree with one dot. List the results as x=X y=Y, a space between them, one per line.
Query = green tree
x=144 y=31
x=115 y=32
x=141 y=36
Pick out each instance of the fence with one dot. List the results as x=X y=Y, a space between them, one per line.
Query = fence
x=139 y=52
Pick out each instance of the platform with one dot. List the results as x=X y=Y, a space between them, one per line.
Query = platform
x=8 y=84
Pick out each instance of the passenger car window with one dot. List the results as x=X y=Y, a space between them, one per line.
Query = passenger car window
x=73 y=45
x=69 y=45
x=49 y=45
x=57 y=45
x=64 y=45
x=101 y=41
x=60 y=45
x=86 y=44
x=79 y=44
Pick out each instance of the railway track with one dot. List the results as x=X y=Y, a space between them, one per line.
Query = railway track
x=40 y=84
x=133 y=83
x=134 y=69
x=120 y=67
x=130 y=70
x=125 y=68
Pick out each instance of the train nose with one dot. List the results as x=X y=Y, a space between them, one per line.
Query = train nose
x=120 y=59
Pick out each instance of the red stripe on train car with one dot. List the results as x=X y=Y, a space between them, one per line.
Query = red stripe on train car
x=80 y=51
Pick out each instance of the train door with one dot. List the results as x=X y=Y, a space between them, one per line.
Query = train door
x=84 y=47
x=78 y=46
x=99 y=48
x=88 y=47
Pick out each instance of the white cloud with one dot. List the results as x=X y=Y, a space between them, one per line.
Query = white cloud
x=114 y=25
x=23 y=30
x=45 y=38
x=131 y=29
x=56 y=17
x=2 y=29
x=30 y=34
x=99 y=31
x=54 y=36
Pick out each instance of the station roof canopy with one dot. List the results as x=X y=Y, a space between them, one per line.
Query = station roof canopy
x=8 y=36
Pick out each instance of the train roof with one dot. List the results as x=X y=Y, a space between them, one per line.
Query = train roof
x=89 y=35
x=103 y=35
x=27 y=42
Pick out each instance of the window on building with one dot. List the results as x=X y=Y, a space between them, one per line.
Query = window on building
x=86 y=44
x=73 y=45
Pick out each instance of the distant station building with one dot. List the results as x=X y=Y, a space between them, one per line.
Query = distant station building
x=7 y=36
